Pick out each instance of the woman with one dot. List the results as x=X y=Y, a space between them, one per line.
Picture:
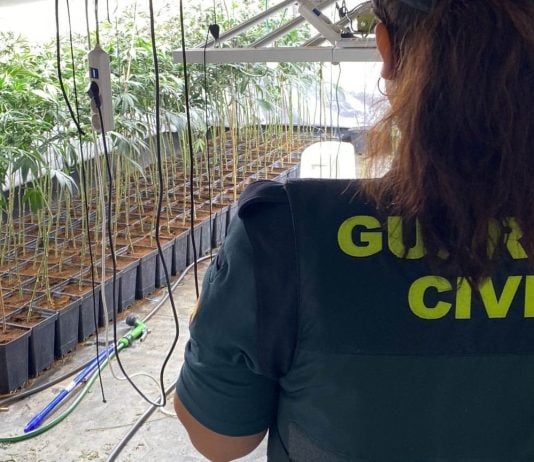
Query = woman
x=389 y=319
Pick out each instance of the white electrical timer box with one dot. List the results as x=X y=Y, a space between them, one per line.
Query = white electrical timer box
x=100 y=73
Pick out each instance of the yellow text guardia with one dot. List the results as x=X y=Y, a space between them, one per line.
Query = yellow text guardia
x=363 y=236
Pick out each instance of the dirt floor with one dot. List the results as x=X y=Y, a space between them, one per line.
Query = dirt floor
x=94 y=429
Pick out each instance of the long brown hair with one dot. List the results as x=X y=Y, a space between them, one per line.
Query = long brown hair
x=460 y=127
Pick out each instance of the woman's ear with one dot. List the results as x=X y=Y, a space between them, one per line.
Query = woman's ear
x=383 y=43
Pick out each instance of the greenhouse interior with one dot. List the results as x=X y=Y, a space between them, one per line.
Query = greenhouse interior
x=278 y=230
x=112 y=208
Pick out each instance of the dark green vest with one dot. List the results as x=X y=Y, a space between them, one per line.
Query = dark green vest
x=393 y=363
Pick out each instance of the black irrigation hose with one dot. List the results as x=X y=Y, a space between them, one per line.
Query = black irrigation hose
x=117 y=450
x=44 y=386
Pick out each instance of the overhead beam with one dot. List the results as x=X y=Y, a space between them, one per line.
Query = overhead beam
x=365 y=51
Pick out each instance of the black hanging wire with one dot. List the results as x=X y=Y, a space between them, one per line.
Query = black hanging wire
x=160 y=200
x=213 y=29
x=163 y=401
x=190 y=138
x=76 y=119
x=109 y=213
x=343 y=12
x=97 y=102
x=59 y=76
x=85 y=202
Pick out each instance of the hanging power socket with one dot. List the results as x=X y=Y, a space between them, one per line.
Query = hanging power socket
x=100 y=74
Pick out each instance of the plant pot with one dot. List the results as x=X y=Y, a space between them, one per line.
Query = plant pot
x=6 y=310
x=202 y=236
x=221 y=225
x=20 y=297
x=67 y=270
x=14 y=348
x=167 y=249
x=293 y=172
x=11 y=281
x=32 y=268
x=126 y=277
x=89 y=305
x=42 y=337
x=207 y=231
x=145 y=281
x=68 y=317
x=108 y=300
x=232 y=211
x=195 y=251
x=179 y=261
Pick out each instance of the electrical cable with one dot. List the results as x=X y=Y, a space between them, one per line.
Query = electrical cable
x=108 y=223
x=157 y=236
x=94 y=94
x=321 y=137
x=117 y=450
x=214 y=12
x=190 y=139
x=331 y=113
x=106 y=320
x=215 y=33
x=84 y=195
x=106 y=154
x=160 y=192
x=120 y=446
x=59 y=76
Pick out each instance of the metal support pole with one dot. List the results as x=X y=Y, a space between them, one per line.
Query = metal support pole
x=282 y=30
x=248 y=23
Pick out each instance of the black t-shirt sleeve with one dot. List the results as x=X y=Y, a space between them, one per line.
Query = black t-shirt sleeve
x=244 y=331
x=265 y=211
x=221 y=383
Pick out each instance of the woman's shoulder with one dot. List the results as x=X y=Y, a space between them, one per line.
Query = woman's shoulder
x=260 y=194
